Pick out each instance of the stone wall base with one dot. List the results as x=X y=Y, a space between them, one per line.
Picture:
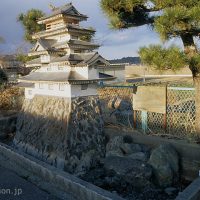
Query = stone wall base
x=65 y=133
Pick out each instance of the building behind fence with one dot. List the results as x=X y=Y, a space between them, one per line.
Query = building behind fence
x=179 y=121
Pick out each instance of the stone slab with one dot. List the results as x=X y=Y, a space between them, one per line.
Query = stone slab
x=150 y=98
x=192 y=192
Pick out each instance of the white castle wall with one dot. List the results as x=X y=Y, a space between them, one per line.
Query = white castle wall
x=60 y=90
x=78 y=91
x=54 y=68
x=60 y=38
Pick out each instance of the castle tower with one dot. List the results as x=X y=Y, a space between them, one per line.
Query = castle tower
x=61 y=122
x=67 y=64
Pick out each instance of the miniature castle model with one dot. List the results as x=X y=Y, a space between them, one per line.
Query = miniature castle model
x=67 y=66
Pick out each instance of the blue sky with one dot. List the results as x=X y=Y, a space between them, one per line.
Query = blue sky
x=115 y=44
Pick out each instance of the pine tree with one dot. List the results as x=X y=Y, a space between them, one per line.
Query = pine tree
x=29 y=22
x=171 y=19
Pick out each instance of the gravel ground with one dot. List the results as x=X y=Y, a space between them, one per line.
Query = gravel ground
x=114 y=184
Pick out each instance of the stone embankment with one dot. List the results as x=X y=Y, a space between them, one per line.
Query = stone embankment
x=67 y=134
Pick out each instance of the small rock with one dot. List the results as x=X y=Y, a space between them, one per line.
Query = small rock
x=170 y=190
x=139 y=156
x=131 y=148
x=3 y=136
x=128 y=139
x=132 y=171
x=115 y=143
x=117 y=152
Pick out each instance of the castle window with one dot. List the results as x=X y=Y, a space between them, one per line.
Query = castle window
x=50 y=86
x=48 y=26
x=48 y=68
x=77 y=51
x=41 y=85
x=60 y=67
x=30 y=92
x=74 y=37
x=84 y=87
x=61 y=87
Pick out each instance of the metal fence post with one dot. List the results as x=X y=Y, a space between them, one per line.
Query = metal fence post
x=144 y=121
x=134 y=119
x=165 y=115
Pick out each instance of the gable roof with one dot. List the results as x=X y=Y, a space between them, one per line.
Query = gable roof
x=60 y=77
x=75 y=43
x=45 y=44
x=68 y=10
x=83 y=59
x=92 y=58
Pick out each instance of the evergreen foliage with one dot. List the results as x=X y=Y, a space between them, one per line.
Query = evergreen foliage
x=3 y=77
x=29 y=22
x=170 y=19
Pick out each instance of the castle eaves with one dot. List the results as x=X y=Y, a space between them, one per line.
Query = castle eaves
x=66 y=10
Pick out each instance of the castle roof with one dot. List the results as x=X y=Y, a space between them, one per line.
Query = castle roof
x=76 y=60
x=43 y=46
x=34 y=63
x=66 y=10
x=61 y=77
x=72 y=28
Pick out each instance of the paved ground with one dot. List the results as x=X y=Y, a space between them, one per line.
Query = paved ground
x=13 y=187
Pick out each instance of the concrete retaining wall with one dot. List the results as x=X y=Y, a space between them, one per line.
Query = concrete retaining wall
x=189 y=153
x=192 y=192
x=40 y=173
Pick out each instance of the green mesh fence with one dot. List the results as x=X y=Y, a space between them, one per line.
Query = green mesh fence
x=179 y=121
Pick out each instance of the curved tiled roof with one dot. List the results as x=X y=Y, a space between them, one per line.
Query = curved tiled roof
x=62 y=77
x=67 y=9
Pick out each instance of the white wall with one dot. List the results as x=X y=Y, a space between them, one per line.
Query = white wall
x=55 y=91
x=76 y=90
x=27 y=94
x=54 y=68
x=93 y=73
x=60 y=38
x=83 y=71
x=116 y=72
x=69 y=90
x=45 y=58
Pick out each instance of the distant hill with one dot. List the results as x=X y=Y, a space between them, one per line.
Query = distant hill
x=130 y=60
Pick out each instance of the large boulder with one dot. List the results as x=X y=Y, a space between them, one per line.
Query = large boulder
x=113 y=147
x=124 y=146
x=135 y=172
x=122 y=110
x=115 y=143
x=165 y=163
